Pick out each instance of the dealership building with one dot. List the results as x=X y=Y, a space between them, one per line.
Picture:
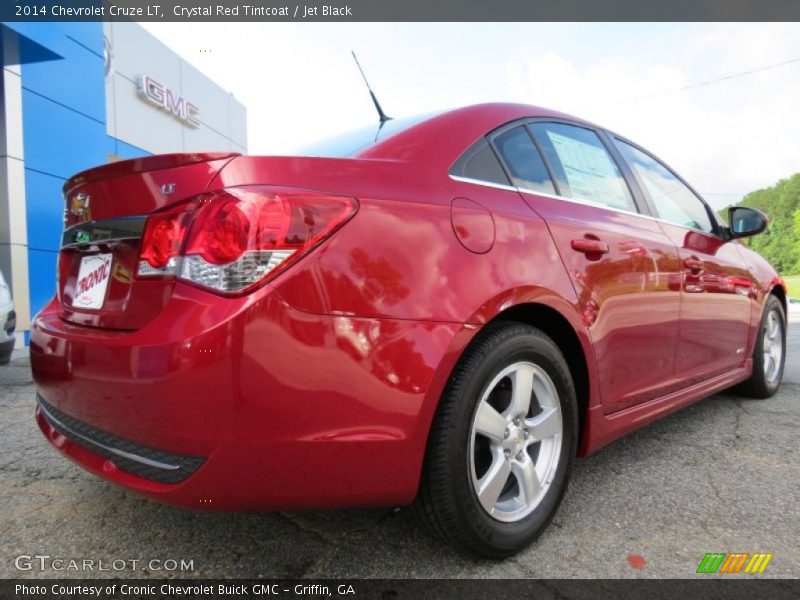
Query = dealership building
x=77 y=95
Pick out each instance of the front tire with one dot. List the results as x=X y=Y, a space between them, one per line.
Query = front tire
x=769 y=354
x=502 y=443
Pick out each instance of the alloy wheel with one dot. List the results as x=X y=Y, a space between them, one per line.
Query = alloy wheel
x=772 y=346
x=515 y=441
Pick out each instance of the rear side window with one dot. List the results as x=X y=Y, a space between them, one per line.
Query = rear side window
x=673 y=200
x=479 y=162
x=523 y=160
x=583 y=167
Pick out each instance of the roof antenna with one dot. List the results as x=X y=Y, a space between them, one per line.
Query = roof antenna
x=381 y=115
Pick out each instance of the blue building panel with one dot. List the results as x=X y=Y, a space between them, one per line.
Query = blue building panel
x=27 y=50
x=89 y=35
x=111 y=145
x=64 y=126
x=77 y=80
x=42 y=266
x=124 y=150
x=59 y=141
x=48 y=38
x=45 y=210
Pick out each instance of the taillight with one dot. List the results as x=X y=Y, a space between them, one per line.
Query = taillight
x=163 y=237
x=239 y=237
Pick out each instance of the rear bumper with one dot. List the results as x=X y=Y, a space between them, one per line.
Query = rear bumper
x=279 y=408
x=138 y=460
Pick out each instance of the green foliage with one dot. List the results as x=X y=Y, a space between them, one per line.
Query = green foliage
x=797 y=222
x=793 y=283
x=780 y=243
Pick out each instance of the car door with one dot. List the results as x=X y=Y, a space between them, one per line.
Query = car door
x=619 y=261
x=717 y=286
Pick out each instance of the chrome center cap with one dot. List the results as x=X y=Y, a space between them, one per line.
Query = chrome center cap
x=515 y=442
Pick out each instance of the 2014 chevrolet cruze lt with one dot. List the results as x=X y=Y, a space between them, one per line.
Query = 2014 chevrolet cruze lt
x=444 y=312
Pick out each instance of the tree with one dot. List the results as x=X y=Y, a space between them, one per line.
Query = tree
x=780 y=243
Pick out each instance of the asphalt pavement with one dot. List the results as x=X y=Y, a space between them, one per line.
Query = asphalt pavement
x=719 y=476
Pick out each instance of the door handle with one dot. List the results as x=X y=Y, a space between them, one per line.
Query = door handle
x=693 y=264
x=589 y=246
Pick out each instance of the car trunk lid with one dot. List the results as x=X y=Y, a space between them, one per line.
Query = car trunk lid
x=106 y=210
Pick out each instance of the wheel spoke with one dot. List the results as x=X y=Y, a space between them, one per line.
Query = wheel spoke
x=509 y=432
x=528 y=480
x=491 y=484
x=521 y=391
x=489 y=422
x=775 y=353
x=769 y=361
x=544 y=425
x=773 y=327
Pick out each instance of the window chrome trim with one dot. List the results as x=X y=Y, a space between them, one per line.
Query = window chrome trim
x=499 y=186
x=520 y=190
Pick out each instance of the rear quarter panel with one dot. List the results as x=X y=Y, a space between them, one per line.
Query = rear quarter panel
x=399 y=257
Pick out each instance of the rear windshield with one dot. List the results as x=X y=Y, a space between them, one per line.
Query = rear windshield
x=351 y=143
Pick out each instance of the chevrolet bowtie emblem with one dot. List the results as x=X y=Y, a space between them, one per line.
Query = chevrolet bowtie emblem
x=79 y=204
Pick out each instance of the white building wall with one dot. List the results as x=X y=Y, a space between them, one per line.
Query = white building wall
x=13 y=219
x=130 y=118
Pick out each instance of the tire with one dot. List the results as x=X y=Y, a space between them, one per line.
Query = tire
x=462 y=458
x=769 y=353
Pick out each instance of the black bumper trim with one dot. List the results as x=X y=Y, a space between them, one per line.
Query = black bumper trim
x=137 y=459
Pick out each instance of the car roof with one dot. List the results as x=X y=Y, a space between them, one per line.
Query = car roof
x=439 y=140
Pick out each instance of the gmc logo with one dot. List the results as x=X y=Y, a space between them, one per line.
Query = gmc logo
x=161 y=96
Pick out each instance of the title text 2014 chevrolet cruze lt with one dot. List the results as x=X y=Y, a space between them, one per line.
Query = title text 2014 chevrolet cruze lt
x=443 y=312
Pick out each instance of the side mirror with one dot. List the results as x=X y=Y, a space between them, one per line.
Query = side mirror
x=745 y=221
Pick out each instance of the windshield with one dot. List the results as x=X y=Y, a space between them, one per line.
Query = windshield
x=351 y=143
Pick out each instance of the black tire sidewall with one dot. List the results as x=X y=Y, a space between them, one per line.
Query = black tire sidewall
x=525 y=344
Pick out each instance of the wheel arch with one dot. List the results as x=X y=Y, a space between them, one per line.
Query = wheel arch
x=561 y=331
x=779 y=291
x=561 y=323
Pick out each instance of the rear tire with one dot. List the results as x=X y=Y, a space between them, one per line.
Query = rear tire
x=769 y=354
x=502 y=443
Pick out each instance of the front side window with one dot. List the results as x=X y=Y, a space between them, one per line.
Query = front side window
x=583 y=167
x=522 y=158
x=673 y=200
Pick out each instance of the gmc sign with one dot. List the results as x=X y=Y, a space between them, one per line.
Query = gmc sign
x=161 y=96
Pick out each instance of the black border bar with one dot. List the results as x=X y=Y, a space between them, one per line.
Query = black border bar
x=731 y=588
x=398 y=10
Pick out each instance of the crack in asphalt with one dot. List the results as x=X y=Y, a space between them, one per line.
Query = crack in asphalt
x=321 y=537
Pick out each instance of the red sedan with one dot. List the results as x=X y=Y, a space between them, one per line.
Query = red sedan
x=442 y=311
